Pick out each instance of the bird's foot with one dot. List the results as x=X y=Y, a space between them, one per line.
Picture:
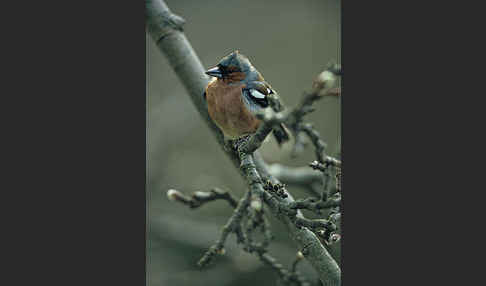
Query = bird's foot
x=241 y=141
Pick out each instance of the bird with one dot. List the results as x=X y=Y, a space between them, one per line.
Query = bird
x=236 y=93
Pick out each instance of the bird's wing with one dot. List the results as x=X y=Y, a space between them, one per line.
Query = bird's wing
x=273 y=99
x=257 y=92
x=261 y=94
x=264 y=95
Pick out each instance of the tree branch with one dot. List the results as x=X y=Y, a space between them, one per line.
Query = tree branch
x=171 y=41
x=328 y=270
x=199 y=198
x=230 y=226
x=316 y=254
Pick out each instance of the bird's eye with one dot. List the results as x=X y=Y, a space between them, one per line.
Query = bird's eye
x=222 y=69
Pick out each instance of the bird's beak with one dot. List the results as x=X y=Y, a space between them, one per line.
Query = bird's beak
x=216 y=72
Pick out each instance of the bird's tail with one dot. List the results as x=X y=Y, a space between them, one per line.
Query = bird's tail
x=281 y=134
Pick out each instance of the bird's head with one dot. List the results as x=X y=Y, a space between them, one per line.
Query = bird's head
x=233 y=67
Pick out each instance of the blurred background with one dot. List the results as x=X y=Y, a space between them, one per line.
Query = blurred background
x=289 y=42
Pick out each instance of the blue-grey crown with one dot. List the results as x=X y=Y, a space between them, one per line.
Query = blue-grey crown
x=238 y=60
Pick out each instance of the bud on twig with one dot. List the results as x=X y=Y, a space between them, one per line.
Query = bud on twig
x=300 y=255
x=221 y=251
x=333 y=238
x=256 y=204
x=173 y=195
x=325 y=82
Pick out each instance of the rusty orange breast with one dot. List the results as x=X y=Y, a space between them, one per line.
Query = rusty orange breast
x=227 y=109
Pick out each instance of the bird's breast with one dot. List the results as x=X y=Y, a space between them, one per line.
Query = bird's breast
x=227 y=110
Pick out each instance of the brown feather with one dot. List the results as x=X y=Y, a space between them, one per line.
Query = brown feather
x=227 y=109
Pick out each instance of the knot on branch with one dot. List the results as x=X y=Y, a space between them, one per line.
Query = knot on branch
x=161 y=21
x=276 y=189
x=328 y=237
x=172 y=20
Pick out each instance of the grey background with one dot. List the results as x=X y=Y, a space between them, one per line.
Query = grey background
x=289 y=42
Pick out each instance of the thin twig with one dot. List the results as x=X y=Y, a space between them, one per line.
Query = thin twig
x=199 y=198
x=316 y=205
x=230 y=226
x=285 y=275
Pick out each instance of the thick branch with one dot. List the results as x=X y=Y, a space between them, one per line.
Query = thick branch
x=172 y=42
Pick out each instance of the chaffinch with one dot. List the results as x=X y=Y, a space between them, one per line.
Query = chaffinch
x=235 y=94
